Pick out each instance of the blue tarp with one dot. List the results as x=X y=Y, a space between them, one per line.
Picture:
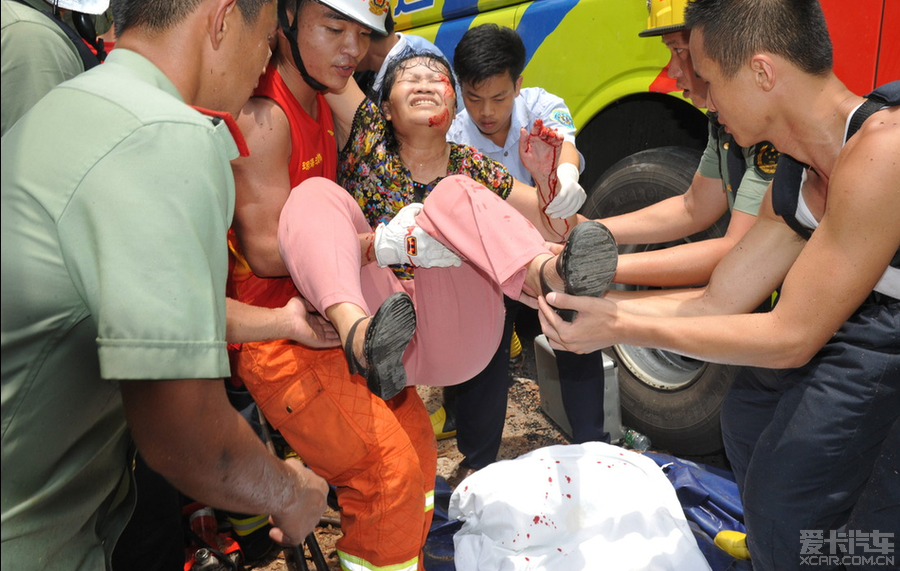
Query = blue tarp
x=711 y=503
x=439 y=545
x=707 y=494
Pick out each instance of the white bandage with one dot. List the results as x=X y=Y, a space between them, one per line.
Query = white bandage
x=402 y=242
x=570 y=196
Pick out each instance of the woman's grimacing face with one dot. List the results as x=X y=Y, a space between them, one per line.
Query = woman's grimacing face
x=422 y=94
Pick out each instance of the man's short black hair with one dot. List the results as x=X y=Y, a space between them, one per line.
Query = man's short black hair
x=488 y=50
x=163 y=14
x=735 y=30
x=389 y=25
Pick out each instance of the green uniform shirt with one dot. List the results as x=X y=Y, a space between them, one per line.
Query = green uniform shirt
x=757 y=176
x=36 y=57
x=116 y=200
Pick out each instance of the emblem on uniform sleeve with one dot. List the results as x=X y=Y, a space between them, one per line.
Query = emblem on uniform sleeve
x=766 y=159
x=562 y=117
x=378 y=7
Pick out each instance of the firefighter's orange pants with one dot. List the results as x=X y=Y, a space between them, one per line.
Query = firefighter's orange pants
x=381 y=456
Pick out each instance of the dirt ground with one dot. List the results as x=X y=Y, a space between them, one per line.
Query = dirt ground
x=526 y=429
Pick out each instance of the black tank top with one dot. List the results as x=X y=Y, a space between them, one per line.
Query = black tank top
x=789 y=174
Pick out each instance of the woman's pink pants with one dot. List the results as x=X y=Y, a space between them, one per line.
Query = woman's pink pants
x=459 y=310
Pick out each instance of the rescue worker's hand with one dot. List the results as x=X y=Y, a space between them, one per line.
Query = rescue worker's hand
x=403 y=242
x=594 y=326
x=569 y=195
x=308 y=327
x=300 y=517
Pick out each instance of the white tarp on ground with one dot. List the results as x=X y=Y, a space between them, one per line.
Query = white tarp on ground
x=576 y=507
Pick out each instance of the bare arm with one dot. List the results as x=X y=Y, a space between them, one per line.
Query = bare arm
x=343 y=105
x=686 y=264
x=262 y=185
x=828 y=279
x=569 y=154
x=697 y=209
x=744 y=277
x=188 y=432
x=296 y=321
x=524 y=198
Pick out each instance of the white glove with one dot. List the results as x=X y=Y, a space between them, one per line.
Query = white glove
x=570 y=196
x=402 y=242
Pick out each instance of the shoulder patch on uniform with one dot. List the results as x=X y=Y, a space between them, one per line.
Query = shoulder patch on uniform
x=766 y=159
x=562 y=117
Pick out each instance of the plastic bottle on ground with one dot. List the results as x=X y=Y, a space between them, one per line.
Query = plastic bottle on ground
x=636 y=441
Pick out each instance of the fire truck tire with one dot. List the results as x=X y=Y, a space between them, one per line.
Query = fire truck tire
x=673 y=400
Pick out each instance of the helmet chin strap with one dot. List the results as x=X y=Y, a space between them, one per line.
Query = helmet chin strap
x=290 y=32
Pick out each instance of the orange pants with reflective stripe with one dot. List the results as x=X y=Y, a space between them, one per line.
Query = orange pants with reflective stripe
x=380 y=455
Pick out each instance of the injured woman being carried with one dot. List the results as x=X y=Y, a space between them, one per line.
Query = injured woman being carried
x=428 y=235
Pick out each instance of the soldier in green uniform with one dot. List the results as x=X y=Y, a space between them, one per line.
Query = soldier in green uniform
x=743 y=173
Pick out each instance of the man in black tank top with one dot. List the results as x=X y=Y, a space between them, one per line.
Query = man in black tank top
x=812 y=428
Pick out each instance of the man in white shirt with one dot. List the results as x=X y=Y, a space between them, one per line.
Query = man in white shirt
x=488 y=62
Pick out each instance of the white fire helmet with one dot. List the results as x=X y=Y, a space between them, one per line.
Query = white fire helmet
x=369 y=13
x=85 y=6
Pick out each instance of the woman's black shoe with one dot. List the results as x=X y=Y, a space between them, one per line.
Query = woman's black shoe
x=587 y=263
x=387 y=336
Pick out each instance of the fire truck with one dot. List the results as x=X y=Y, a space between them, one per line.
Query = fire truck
x=641 y=142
